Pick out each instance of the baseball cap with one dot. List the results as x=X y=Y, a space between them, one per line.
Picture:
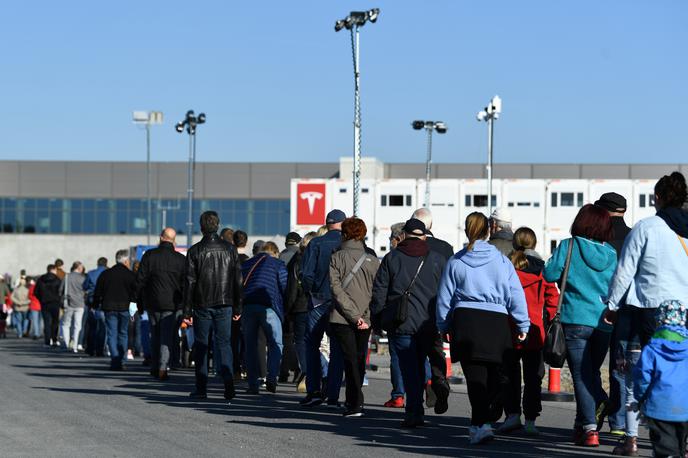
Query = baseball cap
x=501 y=214
x=335 y=216
x=415 y=227
x=612 y=202
x=292 y=238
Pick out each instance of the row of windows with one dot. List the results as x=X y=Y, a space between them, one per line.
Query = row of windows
x=479 y=200
x=567 y=199
x=396 y=200
x=129 y=216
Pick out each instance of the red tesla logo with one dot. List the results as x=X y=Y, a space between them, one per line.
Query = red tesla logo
x=310 y=204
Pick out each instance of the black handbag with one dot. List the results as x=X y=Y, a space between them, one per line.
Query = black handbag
x=554 y=351
x=395 y=312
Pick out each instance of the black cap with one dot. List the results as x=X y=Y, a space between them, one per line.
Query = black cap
x=335 y=216
x=292 y=238
x=612 y=202
x=415 y=227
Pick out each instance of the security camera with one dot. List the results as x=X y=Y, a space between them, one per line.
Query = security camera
x=481 y=116
x=495 y=105
x=373 y=14
x=441 y=127
x=179 y=127
x=201 y=118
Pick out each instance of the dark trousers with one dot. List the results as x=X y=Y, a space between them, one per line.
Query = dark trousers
x=219 y=319
x=163 y=327
x=354 y=345
x=51 y=322
x=643 y=322
x=668 y=437
x=484 y=382
x=262 y=349
x=533 y=372
x=237 y=348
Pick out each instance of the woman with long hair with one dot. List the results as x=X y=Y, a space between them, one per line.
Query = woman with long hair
x=542 y=298
x=478 y=292
x=591 y=265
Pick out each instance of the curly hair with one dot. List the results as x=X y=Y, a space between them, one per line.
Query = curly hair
x=354 y=229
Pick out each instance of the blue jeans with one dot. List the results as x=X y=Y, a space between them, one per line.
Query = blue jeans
x=36 y=323
x=118 y=334
x=300 y=325
x=318 y=320
x=219 y=319
x=99 y=333
x=398 y=390
x=21 y=322
x=146 y=336
x=586 y=348
x=253 y=317
x=412 y=366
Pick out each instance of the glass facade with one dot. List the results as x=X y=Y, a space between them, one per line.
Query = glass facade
x=128 y=216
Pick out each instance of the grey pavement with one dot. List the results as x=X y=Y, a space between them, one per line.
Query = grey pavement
x=62 y=404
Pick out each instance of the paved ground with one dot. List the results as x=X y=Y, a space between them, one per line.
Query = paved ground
x=61 y=404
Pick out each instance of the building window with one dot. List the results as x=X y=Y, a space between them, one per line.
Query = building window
x=554 y=199
x=642 y=201
x=580 y=199
x=480 y=200
x=566 y=199
x=383 y=201
x=396 y=200
x=468 y=201
x=409 y=201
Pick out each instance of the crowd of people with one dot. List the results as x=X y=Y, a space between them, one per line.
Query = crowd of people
x=618 y=292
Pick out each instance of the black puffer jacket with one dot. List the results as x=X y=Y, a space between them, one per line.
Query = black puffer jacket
x=297 y=301
x=48 y=289
x=160 y=279
x=394 y=276
x=213 y=275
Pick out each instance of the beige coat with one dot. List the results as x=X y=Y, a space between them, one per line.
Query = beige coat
x=20 y=299
x=354 y=302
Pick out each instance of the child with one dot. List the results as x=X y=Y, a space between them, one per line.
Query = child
x=542 y=297
x=660 y=378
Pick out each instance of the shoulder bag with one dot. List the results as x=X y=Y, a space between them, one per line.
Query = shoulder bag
x=554 y=351
x=350 y=276
x=395 y=312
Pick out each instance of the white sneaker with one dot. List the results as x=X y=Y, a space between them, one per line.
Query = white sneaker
x=482 y=435
x=80 y=347
x=75 y=350
x=130 y=356
x=512 y=423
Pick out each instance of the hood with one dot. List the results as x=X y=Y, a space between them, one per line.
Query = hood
x=535 y=265
x=596 y=255
x=413 y=247
x=676 y=219
x=481 y=254
x=671 y=350
x=502 y=235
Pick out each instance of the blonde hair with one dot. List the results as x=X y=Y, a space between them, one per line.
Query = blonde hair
x=524 y=239
x=270 y=248
x=477 y=228
x=307 y=239
x=322 y=230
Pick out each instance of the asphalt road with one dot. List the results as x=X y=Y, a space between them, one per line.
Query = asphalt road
x=62 y=404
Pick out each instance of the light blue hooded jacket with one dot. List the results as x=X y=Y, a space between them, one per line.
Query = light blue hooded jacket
x=482 y=279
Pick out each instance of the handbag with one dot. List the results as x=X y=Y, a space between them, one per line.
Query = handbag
x=554 y=351
x=395 y=312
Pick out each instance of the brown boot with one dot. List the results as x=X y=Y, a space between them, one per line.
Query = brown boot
x=629 y=447
x=162 y=375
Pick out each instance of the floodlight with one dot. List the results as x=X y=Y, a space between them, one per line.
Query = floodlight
x=441 y=127
x=418 y=125
x=179 y=127
x=201 y=118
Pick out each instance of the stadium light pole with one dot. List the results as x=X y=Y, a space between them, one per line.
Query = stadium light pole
x=353 y=22
x=147 y=119
x=489 y=115
x=190 y=123
x=429 y=127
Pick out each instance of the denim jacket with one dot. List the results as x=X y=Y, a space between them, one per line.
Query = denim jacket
x=315 y=267
x=653 y=263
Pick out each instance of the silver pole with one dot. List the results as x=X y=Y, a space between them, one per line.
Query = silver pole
x=355 y=37
x=164 y=219
x=490 y=130
x=148 y=190
x=428 y=161
x=190 y=190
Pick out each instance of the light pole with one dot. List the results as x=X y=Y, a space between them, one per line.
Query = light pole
x=489 y=115
x=148 y=118
x=190 y=122
x=353 y=22
x=429 y=126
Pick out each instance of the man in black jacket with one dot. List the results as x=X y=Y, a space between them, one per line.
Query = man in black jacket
x=115 y=290
x=437 y=245
x=159 y=282
x=213 y=294
x=48 y=294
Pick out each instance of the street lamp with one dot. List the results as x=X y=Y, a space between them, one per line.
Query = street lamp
x=353 y=22
x=429 y=126
x=148 y=118
x=489 y=115
x=190 y=122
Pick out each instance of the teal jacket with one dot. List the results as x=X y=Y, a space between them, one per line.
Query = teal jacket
x=591 y=270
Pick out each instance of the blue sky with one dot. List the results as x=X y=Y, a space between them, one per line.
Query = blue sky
x=584 y=81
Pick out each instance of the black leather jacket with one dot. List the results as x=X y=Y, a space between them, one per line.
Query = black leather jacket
x=213 y=275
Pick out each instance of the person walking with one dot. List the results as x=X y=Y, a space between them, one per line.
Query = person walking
x=478 y=292
x=48 y=293
x=159 y=284
x=289 y=358
x=437 y=245
x=591 y=263
x=291 y=242
x=410 y=275
x=212 y=295
x=95 y=337
x=315 y=280
x=542 y=298
x=352 y=273
x=501 y=235
x=265 y=286
x=115 y=291
x=34 y=310
x=59 y=271
x=238 y=358
x=20 y=307
x=72 y=290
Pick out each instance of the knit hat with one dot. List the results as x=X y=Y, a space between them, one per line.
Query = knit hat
x=612 y=202
x=672 y=313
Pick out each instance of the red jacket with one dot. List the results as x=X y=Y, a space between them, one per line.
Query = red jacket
x=34 y=305
x=541 y=297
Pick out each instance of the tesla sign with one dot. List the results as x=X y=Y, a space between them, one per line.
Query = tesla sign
x=310 y=204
